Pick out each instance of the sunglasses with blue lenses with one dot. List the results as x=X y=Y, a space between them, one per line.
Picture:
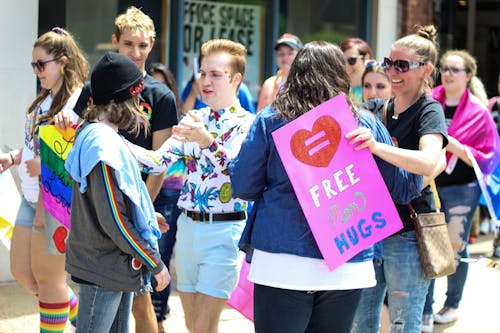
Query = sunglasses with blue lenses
x=402 y=66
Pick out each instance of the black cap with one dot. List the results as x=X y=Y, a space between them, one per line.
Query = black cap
x=115 y=78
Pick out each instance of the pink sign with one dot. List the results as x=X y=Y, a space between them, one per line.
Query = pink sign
x=340 y=190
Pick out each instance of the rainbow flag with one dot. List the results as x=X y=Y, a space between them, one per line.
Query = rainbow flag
x=9 y=205
x=56 y=186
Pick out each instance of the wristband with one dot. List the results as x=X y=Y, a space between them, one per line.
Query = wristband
x=11 y=158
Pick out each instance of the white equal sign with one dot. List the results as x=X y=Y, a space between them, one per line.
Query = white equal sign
x=319 y=140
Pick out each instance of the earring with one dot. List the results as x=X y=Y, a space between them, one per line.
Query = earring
x=62 y=70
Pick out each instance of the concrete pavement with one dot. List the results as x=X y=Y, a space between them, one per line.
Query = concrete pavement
x=479 y=310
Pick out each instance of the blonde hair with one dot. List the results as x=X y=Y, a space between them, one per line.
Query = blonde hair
x=475 y=85
x=423 y=43
x=58 y=43
x=122 y=114
x=136 y=21
x=236 y=50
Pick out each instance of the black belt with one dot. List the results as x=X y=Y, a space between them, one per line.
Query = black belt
x=216 y=217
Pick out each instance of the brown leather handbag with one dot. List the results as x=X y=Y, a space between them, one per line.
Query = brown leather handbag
x=434 y=245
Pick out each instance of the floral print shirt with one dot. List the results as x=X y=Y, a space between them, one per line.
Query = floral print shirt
x=207 y=186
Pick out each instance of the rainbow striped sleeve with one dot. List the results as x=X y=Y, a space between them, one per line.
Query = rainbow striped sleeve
x=120 y=223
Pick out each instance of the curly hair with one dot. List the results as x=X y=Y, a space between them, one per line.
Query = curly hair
x=317 y=74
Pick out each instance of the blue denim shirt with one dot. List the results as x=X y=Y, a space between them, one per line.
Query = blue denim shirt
x=276 y=223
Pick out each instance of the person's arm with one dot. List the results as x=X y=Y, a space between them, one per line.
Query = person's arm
x=9 y=159
x=155 y=182
x=266 y=93
x=402 y=185
x=422 y=161
x=192 y=129
x=113 y=211
x=248 y=169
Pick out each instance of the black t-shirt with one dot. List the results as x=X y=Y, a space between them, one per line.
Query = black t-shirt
x=425 y=116
x=157 y=101
x=462 y=173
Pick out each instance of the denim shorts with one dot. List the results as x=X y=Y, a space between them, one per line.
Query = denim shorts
x=55 y=233
x=26 y=213
x=207 y=256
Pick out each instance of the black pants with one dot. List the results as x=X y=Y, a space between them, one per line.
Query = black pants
x=291 y=311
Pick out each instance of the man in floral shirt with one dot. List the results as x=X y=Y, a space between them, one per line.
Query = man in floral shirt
x=210 y=226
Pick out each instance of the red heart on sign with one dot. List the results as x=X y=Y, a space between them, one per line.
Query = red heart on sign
x=317 y=147
x=59 y=238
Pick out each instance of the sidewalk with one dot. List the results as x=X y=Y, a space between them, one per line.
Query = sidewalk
x=479 y=310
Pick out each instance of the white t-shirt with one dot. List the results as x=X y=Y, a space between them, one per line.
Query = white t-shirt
x=287 y=271
x=30 y=185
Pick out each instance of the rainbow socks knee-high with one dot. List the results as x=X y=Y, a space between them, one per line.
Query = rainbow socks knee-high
x=73 y=307
x=53 y=317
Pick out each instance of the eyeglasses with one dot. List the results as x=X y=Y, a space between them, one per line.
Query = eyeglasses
x=215 y=75
x=40 y=65
x=451 y=70
x=352 y=60
x=402 y=66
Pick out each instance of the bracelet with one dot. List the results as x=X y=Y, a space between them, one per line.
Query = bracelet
x=11 y=158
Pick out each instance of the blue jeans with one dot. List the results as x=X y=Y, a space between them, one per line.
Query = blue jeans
x=292 y=311
x=367 y=317
x=103 y=310
x=458 y=202
x=166 y=204
x=406 y=288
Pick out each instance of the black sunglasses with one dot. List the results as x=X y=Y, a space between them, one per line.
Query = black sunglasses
x=352 y=60
x=402 y=66
x=40 y=65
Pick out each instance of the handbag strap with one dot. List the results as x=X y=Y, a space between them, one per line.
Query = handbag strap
x=384 y=113
x=413 y=213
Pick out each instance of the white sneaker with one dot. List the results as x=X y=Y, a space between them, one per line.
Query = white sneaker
x=446 y=315
x=427 y=323
x=484 y=227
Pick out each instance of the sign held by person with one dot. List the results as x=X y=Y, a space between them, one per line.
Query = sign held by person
x=341 y=191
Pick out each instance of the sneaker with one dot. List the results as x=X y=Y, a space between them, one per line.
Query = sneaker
x=446 y=315
x=427 y=323
x=484 y=227
x=496 y=250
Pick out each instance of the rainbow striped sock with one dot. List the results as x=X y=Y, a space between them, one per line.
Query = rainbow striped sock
x=53 y=317
x=73 y=307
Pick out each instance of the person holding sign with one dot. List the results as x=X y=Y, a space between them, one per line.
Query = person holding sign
x=208 y=230
x=38 y=246
x=417 y=126
x=292 y=279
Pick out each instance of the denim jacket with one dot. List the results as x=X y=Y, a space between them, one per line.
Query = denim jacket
x=276 y=223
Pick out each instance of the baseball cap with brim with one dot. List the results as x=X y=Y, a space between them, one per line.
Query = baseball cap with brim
x=290 y=40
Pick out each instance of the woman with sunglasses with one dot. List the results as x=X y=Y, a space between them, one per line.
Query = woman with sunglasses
x=356 y=52
x=472 y=134
x=38 y=246
x=416 y=123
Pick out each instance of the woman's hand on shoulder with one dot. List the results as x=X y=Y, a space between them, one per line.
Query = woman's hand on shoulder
x=362 y=137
